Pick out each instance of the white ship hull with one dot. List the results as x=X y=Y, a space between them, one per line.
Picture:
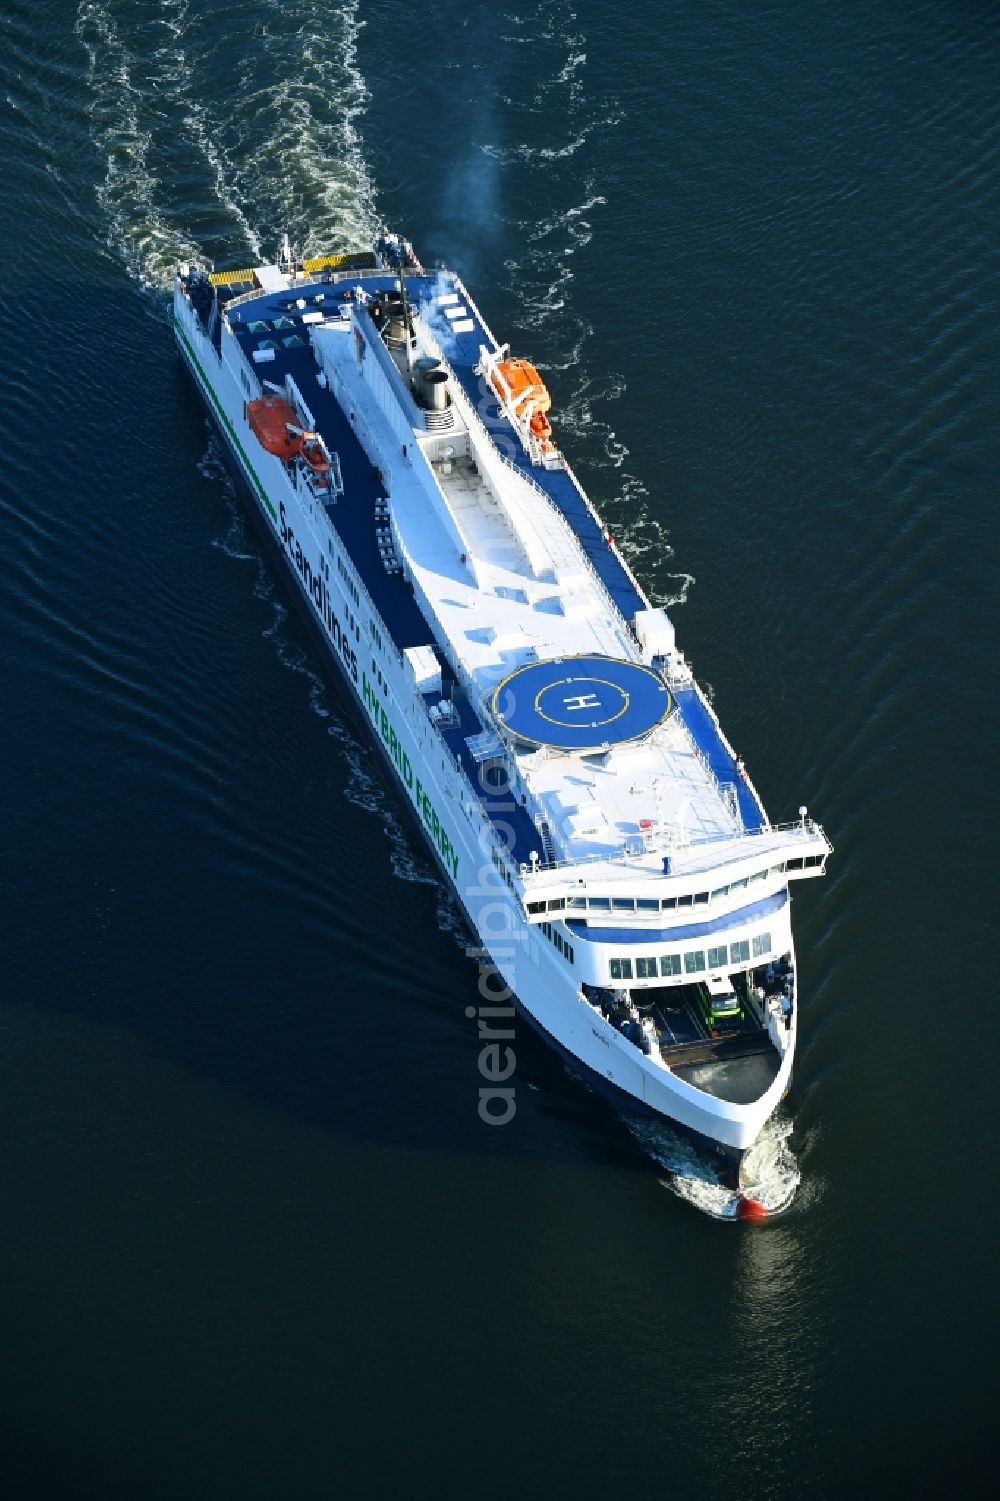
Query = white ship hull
x=458 y=831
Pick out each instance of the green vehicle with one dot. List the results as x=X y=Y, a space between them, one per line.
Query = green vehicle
x=718 y=1001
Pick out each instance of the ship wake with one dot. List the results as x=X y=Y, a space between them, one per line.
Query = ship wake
x=769 y=1176
x=185 y=179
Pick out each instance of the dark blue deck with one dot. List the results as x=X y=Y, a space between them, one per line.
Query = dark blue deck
x=500 y=804
x=462 y=351
x=463 y=355
x=353 y=517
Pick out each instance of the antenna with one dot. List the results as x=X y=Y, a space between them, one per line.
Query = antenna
x=407 y=326
x=286 y=260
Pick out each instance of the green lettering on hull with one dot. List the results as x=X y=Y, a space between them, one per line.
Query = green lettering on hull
x=428 y=813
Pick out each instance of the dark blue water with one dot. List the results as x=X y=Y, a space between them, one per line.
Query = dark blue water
x=255 y=1240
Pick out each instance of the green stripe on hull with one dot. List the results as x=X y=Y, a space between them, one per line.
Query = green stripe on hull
x=264 y=498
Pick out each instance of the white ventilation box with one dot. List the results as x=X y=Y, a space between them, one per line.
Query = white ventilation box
x=655 y=631
x=425 y=667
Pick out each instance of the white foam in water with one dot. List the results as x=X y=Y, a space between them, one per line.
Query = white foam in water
x=679 y=596
x=578 y=116
x=120 y=120
x=769 y=1174
x=284 y=156
x=363 y=789
x=292 y=147
x=175 y=18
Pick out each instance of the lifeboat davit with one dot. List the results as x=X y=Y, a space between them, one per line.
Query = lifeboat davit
x=520 y=384
x=270 y=418
x=314 y=454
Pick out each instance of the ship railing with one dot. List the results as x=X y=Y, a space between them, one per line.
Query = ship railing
x=244 y=365
x=366 y=598
x=575 y=482
x=346 y=562
x=475 y=798
x=806 y=829
x=726 y=791
x=626 y=567
x=473 y=419
x=689 y=681
x=310 y=279
x=560 y=520
x=362 y=428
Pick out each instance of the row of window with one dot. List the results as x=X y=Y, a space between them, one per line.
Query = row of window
x=566 y=949
x=694 y=961
x=501 y=866
x=382 y=681
x=352 y=587
x=670 y=903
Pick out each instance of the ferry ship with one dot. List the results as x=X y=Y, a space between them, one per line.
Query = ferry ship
x=534 y=710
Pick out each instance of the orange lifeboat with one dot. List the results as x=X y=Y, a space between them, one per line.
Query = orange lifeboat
x=517 y=382
x=270 y=418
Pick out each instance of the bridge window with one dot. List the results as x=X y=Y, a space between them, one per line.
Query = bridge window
x=645 y=969
x=668 y=903
x=717 y=957
x=694 y=961
x=645 y=904
x=621 y=969
x=576 y=901
x=602 y=903
x=700 y=898
x=623 y=903
x=719 y=892
x=670 y=964
x=761 y=945
x=739 y=952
